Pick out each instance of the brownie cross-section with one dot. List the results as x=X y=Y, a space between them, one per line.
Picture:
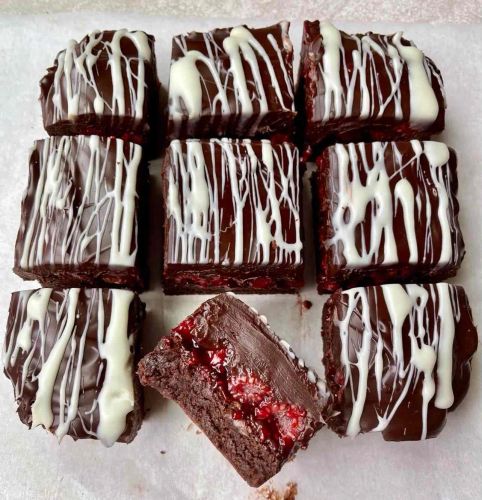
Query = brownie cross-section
x=245 y=388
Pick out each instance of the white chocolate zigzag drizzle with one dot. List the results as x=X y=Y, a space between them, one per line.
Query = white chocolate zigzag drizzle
x=58 y=231
x=260 y=187
x=407 y=306
x=344 y=88
x=186 y=85
x=377 y=199
x=76 y=73
x=64 y=359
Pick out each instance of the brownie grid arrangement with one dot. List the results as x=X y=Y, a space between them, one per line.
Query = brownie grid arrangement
x=397 y=342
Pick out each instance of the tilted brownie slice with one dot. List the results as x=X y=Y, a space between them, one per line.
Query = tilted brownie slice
x=397 y=358
x=255 y=401
x=106 y=84
x=366 y=87
x=235 y=82
x=232 y=217
x=70 y=357
x=81 y=212
x=386 y=212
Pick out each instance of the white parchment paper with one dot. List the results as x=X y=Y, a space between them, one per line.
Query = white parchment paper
x=170 y=459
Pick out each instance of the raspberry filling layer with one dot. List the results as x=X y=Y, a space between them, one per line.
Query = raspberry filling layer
x=248 y=397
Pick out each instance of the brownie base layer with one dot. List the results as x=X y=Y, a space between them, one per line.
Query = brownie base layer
x=329 y=281
x=212 y=279
x=277 y=123
x=251 y=459
x=316 y=137
x=85 y=275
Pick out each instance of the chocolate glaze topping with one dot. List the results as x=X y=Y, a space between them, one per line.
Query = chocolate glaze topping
x=70 y=355
x=397 y=358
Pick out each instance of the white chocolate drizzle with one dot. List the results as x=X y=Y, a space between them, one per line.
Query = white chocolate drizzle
x=76 y=74
x=187 y=94
x=103 y=227
x=61 y=358
x=375 y=198
x=431 y=352
x=260 y=186
x=349 y=77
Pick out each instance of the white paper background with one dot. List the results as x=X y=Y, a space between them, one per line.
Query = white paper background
x=33 y=465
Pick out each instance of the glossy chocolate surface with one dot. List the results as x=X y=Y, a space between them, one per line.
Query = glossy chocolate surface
x=366 y=87
x=70 y=357
x=386 y=212
x=233 y=216
x=80 y=213
x=235 y=82
x=106 y=84
x=397 y=358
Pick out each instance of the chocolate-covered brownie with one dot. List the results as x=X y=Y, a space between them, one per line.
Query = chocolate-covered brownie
x=386 y=212
x=232 y=217
x=81 y=214
x=397 y=358
x=106 y=84
x=245 y=388
x=234 y=82
x=366 y=87
x=69 y=354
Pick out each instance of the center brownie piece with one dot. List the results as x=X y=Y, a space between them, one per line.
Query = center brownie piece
x=386 y=212
x=233 y=217
x=255 y=401
x=235 y=82
x=80 y=213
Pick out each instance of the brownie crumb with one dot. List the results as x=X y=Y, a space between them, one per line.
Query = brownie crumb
x=268 y=492
x=307 y=304
x=163 y=452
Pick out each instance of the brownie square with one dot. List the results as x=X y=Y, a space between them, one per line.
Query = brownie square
x=106 y=84
x=81 y=212
x=235 y=82
x=245 y=388
x=70 y=357
x=397 y=358
x=232 y=217
x=366 y=87
x=386 y=212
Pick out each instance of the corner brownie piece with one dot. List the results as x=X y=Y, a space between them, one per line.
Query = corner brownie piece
x=386 y=212
x=105 y=85
x=70 y=357
x=397 y=358
x=366 y=87
x=233 y=217
x=81 y=212
x=234 y=82
x=245 y=388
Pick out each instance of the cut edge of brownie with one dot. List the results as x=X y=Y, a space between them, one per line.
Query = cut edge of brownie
x=156 y=370
x=203 y=409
